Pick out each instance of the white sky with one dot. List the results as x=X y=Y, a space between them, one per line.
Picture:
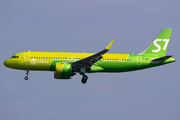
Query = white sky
x=88 y=26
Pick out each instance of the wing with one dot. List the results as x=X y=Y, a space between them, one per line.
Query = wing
x=89 y=61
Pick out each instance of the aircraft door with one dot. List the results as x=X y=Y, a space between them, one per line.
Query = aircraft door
x=26 y=57
x=139 y=60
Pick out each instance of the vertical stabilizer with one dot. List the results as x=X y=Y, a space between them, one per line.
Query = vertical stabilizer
x=160 y=44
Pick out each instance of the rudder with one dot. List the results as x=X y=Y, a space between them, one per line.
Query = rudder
x=160 y=44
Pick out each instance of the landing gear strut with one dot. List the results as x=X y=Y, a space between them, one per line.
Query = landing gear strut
x=27 y=73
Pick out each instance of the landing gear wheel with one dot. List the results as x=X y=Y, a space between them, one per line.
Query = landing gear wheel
x=84 y=79
x=27 y=73
x=26 y=77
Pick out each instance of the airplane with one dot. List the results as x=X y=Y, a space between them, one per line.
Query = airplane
x=67 y=64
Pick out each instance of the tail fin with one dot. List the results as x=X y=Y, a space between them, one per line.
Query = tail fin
x=160 y=44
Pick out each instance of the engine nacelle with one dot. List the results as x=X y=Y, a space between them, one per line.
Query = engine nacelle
x=63 y=71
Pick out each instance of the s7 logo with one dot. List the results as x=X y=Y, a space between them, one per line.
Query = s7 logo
x=158 y=46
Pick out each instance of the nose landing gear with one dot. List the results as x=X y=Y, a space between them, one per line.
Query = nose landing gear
x=27 y=73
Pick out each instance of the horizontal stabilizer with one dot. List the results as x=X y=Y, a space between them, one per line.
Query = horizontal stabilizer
x=161 y=59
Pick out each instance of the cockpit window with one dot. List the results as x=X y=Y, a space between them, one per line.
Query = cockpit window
x=15 y=56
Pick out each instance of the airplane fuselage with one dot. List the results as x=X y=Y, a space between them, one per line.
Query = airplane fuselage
x=65 y=64
x=46 y=61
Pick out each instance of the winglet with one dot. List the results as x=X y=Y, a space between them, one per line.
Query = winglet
x=109 y=46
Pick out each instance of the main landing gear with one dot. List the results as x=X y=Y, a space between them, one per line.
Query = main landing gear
x=27 y=73
x=85 y=77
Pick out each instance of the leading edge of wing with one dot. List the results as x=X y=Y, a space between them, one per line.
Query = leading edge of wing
x=88 y=61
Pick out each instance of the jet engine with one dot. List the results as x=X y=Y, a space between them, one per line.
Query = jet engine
x=63 y=71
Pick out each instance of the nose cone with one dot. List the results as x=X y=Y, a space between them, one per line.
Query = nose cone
x=7 y=63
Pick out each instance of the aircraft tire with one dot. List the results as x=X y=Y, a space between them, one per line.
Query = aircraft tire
x=26 y=77
x=84 y=79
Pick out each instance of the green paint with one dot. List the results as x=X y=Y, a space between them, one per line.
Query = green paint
x=61 y=63
x=160 y=44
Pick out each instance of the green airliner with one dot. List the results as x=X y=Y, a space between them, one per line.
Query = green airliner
x=65 y=64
